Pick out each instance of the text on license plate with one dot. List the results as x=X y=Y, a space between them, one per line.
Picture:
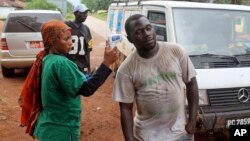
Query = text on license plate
x=36 y=44
x=240 y=121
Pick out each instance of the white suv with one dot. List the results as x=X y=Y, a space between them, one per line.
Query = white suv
x=21 y=38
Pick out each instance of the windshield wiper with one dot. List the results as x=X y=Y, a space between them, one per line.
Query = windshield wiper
x=26 y=25
x=247 y=54
x=218 y=56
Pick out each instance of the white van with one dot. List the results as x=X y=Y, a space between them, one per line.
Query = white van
x=217 y=39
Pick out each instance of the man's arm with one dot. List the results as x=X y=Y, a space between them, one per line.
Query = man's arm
x=127 y=123
x=192 y=97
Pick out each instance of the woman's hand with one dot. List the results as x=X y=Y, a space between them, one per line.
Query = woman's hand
x=110 y=55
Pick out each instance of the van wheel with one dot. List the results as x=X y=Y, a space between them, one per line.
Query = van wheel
x=7 y=72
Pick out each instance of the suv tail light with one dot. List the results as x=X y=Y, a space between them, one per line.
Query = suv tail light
x=4 y=45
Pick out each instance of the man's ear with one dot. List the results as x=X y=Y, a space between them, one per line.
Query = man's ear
x=75 y=13
x=129 y=38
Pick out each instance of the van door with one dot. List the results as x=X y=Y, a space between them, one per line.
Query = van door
x=158 y=17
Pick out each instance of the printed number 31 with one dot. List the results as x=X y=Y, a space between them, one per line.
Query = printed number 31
x=75 y=45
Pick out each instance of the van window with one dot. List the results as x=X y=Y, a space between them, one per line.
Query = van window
x=119 y=21
x=242 y=33
x=222 y=32
x=115 y=20
x=26 y=22
x=158 y=21
x=111 y=19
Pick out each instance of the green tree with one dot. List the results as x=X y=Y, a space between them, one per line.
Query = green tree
x=69 y=14
x=40 y=4
x=70 y=7
x=103 y=4
x=91 y=4
x=95 y=5
x=239 y=2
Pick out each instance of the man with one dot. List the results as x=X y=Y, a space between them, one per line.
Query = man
x=82 y=39
x=154 y=77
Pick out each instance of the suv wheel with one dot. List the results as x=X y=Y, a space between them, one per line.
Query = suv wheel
x=7 y=72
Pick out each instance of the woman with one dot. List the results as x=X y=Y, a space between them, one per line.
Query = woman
x=62 y=83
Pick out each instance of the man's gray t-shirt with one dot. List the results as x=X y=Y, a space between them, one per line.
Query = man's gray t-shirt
x=156 y=85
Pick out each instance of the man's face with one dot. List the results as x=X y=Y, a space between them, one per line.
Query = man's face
x=142 y=34
x=81 y=16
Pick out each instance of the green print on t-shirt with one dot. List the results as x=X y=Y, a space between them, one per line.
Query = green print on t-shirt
x=167 y=76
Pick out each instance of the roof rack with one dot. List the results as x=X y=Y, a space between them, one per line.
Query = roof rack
x=126 y=1
x=118 y=1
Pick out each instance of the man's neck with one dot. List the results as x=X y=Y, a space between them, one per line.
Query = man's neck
x=149 y=54
x=77 y=23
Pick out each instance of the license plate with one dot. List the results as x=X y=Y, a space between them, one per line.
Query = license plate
x=237 y=121
x=36 y=44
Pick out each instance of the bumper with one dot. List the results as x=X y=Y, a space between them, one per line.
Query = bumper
x=215 y=121
x=9 y=61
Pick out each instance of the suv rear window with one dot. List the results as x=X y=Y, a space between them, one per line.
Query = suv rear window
x=27 y=22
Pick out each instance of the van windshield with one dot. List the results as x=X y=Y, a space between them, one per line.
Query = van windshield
x=208 y=31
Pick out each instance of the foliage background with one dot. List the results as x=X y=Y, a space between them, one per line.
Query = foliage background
x=40 y=4
x=96 y=5
x=98 y=8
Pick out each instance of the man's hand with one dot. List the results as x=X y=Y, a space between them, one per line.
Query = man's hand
x=110 y=55
x=190 y=126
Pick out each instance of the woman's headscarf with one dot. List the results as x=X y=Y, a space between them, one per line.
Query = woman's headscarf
x=51 y=30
